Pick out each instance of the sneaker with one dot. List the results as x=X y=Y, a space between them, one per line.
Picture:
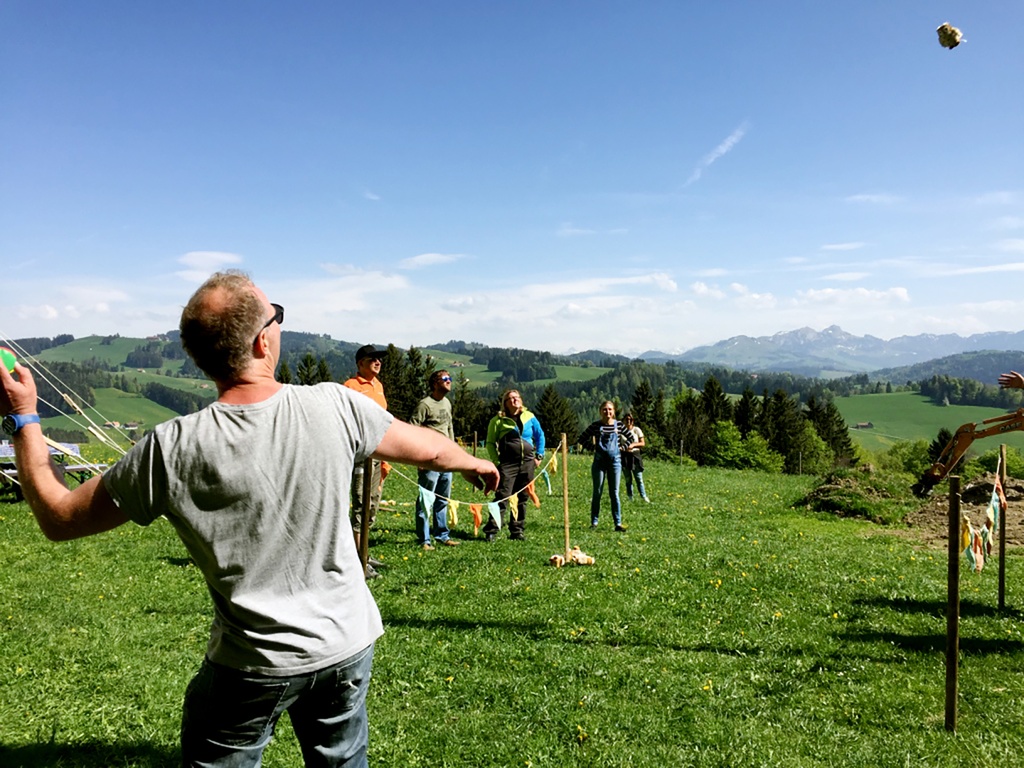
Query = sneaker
x=620 y=528
x=517 y=536
x=370 y=573
x=428 y=547
x=647 y=500
x=372 y=561
x=450 y=543
x=593 y=526
x=491 y=537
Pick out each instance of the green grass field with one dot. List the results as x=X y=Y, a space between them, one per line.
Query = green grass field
x=89 y=347
x=909 y=416
x=115 y=405
x=722 y=629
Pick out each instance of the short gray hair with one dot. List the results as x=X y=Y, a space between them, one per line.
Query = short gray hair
x=219 y=324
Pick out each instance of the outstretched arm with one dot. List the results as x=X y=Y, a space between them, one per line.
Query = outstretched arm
x=428 y=449
x=62 y=514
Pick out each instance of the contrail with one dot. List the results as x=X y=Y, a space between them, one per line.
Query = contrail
x=730 y=142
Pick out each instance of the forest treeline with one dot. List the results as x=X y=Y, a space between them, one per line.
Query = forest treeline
x=775 y=430
x=711 y=415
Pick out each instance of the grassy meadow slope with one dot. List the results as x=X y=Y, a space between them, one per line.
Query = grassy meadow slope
x=92 y=347
x=479 y=376
x=722 y=629
x=115 y=405
x=909 y=416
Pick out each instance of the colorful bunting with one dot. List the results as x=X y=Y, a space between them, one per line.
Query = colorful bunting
x=495 y=512
x=530 y=489
x=427 y=498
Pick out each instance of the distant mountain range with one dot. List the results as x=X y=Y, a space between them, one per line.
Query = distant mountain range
x=834 y=352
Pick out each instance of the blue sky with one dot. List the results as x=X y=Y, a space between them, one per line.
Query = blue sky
x=548 y=175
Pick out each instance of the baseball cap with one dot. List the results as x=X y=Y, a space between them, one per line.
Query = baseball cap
x=369 y=350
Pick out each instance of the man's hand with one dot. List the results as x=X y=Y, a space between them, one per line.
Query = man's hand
x=1011 y=380
x=484 y=477
x=17 y=395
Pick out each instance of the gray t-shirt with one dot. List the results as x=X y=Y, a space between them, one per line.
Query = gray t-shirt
x=259 y=496
x=436 y=414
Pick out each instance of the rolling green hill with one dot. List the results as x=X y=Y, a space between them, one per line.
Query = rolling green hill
x=479 y=376
x=110 y=350
x=114 y=405
x=910 y=416
x=894 y=416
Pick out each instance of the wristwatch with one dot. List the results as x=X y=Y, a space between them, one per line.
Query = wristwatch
x=14 y=421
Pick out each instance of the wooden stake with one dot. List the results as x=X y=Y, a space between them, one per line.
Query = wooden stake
x=364 y=524
x=565 y=491
x=1002 y=530
x=953 y=603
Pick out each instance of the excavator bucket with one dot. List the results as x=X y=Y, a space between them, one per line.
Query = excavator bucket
x=923 y=487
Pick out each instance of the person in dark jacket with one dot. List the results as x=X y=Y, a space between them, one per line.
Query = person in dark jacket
x=515 y=443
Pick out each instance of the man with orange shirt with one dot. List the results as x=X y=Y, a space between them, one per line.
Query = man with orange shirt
x=367 y=381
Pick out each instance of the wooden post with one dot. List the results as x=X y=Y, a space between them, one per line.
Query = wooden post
x=953 y=603
x=1002 y=530
x=565 y=492
x=364 y=525
x=474 y=443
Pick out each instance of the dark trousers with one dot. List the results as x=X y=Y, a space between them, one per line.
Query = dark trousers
x=515 y=476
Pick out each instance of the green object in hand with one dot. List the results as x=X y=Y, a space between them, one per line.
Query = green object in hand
x=8 y=359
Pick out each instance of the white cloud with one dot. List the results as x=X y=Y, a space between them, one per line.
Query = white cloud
x=995 y=307
x=1003 y=197
x=846 y=296
x=703 y=289
x=1008 y=222
x=202 y=264
x=722 y=149
x=36 y=311
x=986 y=270
x=429 y=260
x=568 y=230
x=1010 y=246
x=842 y=246
x=877 y=199
x=747 y=299
x=596 y=285
x=370 y=195
x=461 y=304
x=846 y=276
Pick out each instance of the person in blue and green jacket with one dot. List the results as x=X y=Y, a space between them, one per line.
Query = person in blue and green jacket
x=515 y=443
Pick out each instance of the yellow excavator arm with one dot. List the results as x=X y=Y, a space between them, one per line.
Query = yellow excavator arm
x=960 y=442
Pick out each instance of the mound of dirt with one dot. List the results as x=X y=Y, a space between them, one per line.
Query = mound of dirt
x=930 y=523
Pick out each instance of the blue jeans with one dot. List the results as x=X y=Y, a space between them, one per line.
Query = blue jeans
x=612 y=469
x=229 y=716
x=441 y=484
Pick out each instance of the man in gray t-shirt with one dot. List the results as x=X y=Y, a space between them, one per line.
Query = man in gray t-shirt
x=257 y=487
x=435 y=412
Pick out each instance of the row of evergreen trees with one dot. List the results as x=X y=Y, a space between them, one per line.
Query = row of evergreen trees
x=772 y=432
